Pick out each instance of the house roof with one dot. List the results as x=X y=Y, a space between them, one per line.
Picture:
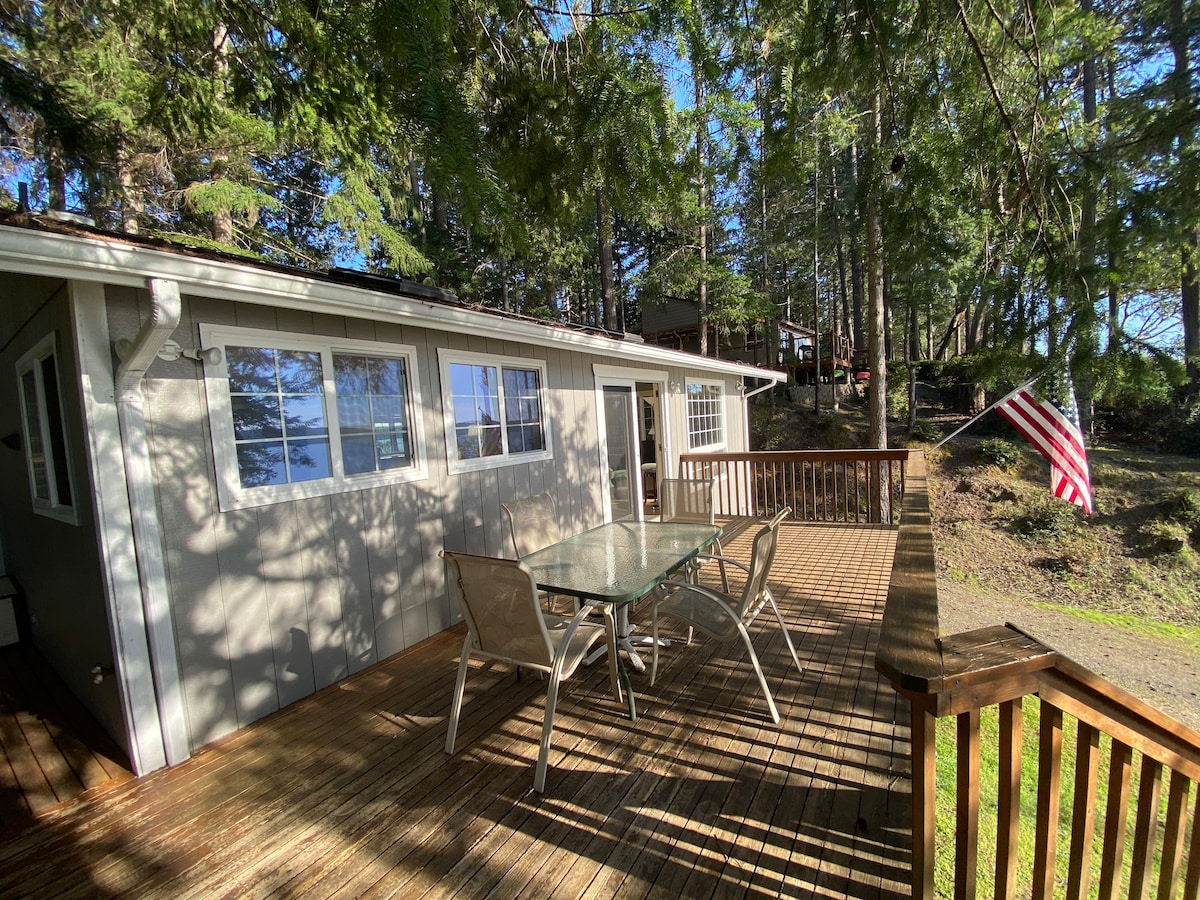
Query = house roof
x=38 y=245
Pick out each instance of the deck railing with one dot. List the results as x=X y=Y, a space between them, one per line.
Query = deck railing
x=1000 y=667
x=819 y=485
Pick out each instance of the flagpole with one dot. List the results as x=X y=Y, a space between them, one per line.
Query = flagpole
x=975 y=419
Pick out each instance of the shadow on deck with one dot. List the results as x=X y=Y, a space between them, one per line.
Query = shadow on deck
x=349 y=791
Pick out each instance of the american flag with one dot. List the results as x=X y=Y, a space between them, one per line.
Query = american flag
x=1051 y=424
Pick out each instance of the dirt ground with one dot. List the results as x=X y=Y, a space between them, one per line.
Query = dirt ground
x=1162 y=671
x=988 y=576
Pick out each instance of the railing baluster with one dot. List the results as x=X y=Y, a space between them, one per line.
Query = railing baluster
x=1173 y=833
x=966 y=853
x=1144 y=832
x=1115 y=813
x=1083 y=817
x=1008 y=804
x=1191 y=884
x=923 y=729
x=1049 y=771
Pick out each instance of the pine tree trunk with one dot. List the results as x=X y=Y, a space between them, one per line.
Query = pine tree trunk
x=701 y=204
x=604 y=246
x=877 y=394
x=1189 y=183
x=856 y=262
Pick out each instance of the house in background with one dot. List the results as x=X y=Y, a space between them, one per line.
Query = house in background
x=675 y=323
x=224 y=484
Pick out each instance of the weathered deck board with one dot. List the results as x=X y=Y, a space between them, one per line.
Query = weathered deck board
x=50 y=748
x=349 y=793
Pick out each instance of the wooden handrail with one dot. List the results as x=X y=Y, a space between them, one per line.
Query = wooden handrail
x=959 y=675
x=818 y=485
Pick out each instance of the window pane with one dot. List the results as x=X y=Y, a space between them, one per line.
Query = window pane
x=58 y=439
x=261 y=464
x=387 y=377
x=251 y=370
x=350 y=375
x=308 y=459
x=354 y=413
x=274 y=395
x=304 y=416
x=255 y=417
x=704 y=415
x=300 y=372
x=475 y=398
x=372 y=413
x=33 y=434
x=358 y=453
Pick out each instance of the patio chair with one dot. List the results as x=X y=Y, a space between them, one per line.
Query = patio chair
x=724 y=617
x=505 y=622
x=691 y=500
x=533 y=524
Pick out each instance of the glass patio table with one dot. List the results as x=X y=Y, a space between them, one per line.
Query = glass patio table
x=615 y=564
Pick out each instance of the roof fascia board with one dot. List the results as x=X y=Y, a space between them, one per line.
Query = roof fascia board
x=111 y=262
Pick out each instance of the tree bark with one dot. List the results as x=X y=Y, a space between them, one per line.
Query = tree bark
x=877 y=393
x=856 y=262
x=1189 y=182
x=604 y=245
x=701 y=204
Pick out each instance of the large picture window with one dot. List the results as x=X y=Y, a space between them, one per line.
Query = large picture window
x=494 y=410
x=45 y=434
x=298 y=416
x=705 y=416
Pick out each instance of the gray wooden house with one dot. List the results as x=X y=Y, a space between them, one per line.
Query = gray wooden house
x=223 y=484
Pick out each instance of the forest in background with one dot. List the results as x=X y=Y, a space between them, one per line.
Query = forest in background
x=982 y=186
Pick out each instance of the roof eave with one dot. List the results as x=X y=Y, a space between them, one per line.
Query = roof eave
x=110 y=262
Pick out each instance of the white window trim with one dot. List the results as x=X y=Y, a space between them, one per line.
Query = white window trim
x=230 y=493
x=457 y=466
x=724 y=415
x=31 y=362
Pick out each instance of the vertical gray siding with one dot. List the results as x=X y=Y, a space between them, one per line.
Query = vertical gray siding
x=56 y=563
x=275 y=602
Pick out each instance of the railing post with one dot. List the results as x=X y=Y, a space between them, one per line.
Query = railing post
x=966 y=851
x=923 y=728
x=1008 y=819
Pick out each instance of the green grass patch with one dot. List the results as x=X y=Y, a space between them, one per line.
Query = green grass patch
x=946 y=826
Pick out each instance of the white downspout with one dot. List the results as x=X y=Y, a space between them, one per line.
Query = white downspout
x=143 y=508
x=746 y=404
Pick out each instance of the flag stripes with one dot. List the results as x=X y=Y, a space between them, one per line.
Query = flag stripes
x=1053 y=429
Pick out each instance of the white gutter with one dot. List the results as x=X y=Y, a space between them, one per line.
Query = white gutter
x=147 y=536
x=113 y=262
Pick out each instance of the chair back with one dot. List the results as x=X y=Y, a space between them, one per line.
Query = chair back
x=500 y=603
x=761 y=557
x=533 y=522
x=686 y=500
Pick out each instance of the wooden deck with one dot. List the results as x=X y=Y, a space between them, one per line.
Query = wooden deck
x=51 y=749
x=349 y=792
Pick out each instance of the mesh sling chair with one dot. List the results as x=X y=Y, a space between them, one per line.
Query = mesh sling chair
x=691 y=500
x=533 y=524
x=724 y=617
x=505 y=622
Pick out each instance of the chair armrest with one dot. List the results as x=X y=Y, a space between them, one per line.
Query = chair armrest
x=725 y=560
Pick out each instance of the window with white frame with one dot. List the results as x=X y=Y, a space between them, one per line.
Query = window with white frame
x=705 y=415
x=51 y=483
x=494 y=410
x=301 y=416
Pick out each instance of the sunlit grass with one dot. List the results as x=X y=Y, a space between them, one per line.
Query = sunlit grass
x=988 y=799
